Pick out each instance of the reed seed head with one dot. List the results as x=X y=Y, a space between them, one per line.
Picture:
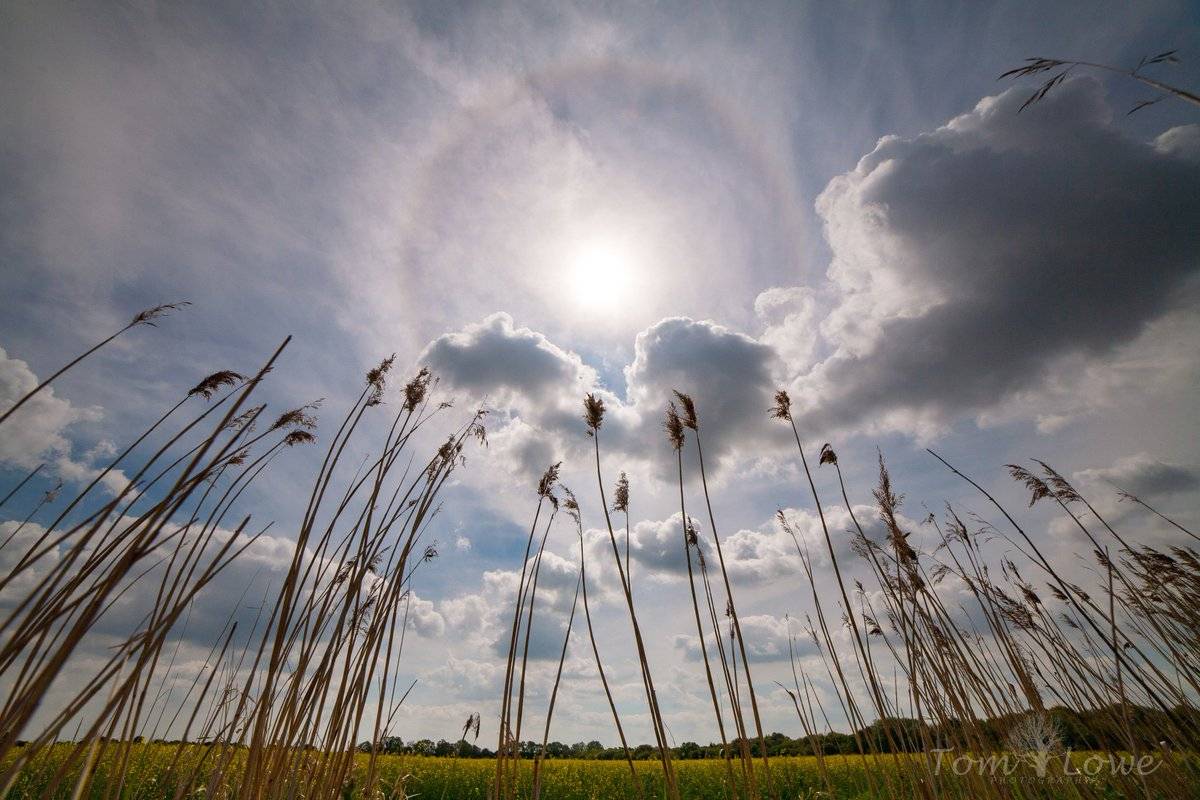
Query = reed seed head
x=376 y=378
x=689 y=410
x=1063 y=490
x=1037 y=487
x=572 y=507
x=674 y=427
x=239 y=422
x=149 y=315
x=828 y=456
x=593 y=412
x=549 y=478
x=621 y=495
x=298 y=437
x=477 y=429
x=52 y=494
x=298 y=417
x=208 y=387
x=471 y=723
x=416 y=389
x=783 y=406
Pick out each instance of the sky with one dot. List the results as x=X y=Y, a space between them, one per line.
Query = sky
x=537 y=201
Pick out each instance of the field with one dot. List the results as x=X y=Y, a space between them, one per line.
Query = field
x=564 y=779
x=433 y=777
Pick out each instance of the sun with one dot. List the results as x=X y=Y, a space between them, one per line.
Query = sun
x=601 y=277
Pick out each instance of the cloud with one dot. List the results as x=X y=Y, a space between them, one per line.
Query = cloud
x=466 y=614
x=235 y=592
x=468 y=678
x=753 y=557
x=538 y=387
x=483 y=618
x=424 y=618
x=1145 y=476
x=766 y=636
x=1169 y=488
x=1152 y=365
x=413 y=172
x=38 y=432
x=20 y=540
x=1182 y=141
x=791 y=317
x=525 y=449
x=756 y=556
x=498 y=360
x=977 y=269
x=730 y=375
x=657 y=546
x=533 y=387
x=970 y=260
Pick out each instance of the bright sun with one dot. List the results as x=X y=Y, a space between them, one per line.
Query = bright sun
x=600 y=276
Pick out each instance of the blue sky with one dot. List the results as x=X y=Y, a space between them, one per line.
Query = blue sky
x=540 y=200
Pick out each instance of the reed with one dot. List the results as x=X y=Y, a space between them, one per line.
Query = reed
x=594 y=417
x=966 y=647
x=1109 y=660
x=690 y=420
x=290 y=698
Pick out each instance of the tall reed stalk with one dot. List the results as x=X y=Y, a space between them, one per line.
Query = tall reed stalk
x=1115 y=662
x=593 y=408
x=293 y=695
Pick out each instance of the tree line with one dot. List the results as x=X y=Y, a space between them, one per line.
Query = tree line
x=1076 y=730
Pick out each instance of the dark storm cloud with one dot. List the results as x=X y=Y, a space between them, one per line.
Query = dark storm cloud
x=971 y=258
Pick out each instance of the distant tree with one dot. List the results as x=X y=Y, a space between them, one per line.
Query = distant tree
x=391 y=745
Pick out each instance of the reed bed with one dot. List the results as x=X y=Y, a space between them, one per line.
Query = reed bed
x=967 y=651
x=278 y=707
x=932 y=687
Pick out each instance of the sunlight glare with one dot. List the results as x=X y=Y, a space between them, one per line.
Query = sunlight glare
x=601 y=276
